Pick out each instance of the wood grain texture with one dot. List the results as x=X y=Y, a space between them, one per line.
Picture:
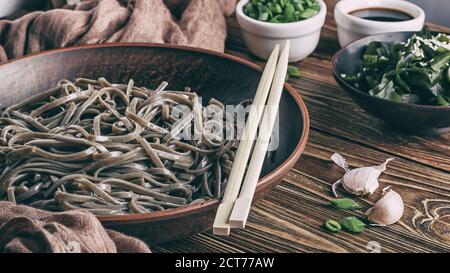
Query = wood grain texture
x=289 y=219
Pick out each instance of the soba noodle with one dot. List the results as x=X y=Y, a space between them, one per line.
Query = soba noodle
x=112 y=149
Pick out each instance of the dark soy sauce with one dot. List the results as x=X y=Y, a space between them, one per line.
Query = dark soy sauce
x=382 y=14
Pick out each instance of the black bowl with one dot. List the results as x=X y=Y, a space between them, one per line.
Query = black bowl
x=408 y=118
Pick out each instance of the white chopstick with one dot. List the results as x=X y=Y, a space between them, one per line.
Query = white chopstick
x=242 y=205
x=221 y=225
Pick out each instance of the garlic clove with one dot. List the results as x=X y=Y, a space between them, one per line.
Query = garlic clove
x=361 y=181
x=388 y=210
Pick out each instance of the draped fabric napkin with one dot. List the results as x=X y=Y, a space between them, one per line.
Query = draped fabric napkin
x=198 y=23
x=27 y=230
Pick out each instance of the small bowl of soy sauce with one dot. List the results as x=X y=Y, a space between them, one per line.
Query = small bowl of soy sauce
x=359 y=19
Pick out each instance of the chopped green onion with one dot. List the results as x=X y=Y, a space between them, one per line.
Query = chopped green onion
x=281 y=11
x=279 y=19
x=353 y=224
x=289 y=12
x=275 y=8
x=254 y=15
x=332 y=226
x=345 y=203
x=307 y=13
x=293 y=71
x=299 y=6
x=263 y=16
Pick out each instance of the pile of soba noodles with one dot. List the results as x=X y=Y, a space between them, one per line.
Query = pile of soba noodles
x=113 y=149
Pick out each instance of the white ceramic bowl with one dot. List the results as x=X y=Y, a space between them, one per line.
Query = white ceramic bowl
x=352 y=28
x=261 y=37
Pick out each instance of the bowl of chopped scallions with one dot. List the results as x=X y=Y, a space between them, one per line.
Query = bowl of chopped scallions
x=265 y=23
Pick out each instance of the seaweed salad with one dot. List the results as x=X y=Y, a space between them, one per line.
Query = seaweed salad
x=415 y=71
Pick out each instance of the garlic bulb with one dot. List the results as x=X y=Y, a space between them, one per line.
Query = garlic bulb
x=360 y=181
x=388 y=210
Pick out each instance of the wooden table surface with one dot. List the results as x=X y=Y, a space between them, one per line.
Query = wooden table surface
x=289 y=219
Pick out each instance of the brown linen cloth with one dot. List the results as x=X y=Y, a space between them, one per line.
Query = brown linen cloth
x=24 y=229
x=198 y=23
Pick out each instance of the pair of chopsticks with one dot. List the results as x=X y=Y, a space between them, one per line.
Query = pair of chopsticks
x=234 y=211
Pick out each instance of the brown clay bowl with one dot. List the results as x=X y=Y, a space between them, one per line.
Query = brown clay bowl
x=221 y=76
x=407 y=118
